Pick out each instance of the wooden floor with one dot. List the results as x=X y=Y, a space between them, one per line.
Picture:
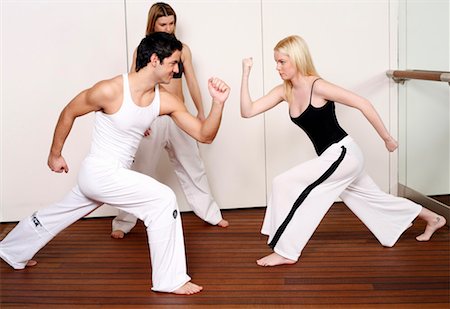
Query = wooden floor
x=343 y=266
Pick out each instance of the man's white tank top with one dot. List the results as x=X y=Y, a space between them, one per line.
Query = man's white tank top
x=118 y=135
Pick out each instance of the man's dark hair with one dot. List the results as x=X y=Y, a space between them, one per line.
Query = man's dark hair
x=160 y=43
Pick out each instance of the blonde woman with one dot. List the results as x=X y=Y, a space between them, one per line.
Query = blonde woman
x=302 y=196
x=182 y=149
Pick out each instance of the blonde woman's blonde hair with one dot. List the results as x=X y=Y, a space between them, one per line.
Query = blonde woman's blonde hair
x=297 y=50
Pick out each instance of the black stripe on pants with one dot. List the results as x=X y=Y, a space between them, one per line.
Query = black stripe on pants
x=303 y=196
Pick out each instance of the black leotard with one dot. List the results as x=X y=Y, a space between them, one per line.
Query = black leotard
x=320 y=124
x=180 y=70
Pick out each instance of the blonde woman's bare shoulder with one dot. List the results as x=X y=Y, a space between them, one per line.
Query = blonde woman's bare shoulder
x=323 y=86
x=278 y=91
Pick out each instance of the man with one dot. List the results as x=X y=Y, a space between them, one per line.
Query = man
x=124 y=108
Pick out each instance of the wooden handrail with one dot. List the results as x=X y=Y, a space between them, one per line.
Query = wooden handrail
x=402 y=76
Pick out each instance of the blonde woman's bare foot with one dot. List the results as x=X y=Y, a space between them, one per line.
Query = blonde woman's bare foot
x=432 y=226
x=188 y=289
x=31 y=263
x=274 y=259
x=223 y=223
x=118 y=234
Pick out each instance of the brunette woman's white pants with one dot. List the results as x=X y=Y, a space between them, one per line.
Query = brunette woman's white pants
x=185 y=157
x=103 y=180
x=302 y=196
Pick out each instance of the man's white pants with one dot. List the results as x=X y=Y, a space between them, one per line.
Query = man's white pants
x=185 y=157
x=302 y=196
x=104 y=180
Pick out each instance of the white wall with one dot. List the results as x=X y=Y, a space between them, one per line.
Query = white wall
x=51 y=50
x=77 y=43
x=425 y=105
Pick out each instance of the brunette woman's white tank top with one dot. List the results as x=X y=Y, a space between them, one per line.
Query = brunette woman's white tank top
x=118 y=135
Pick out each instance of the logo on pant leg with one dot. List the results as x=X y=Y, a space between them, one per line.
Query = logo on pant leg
x=175 y=214
x=35 y=220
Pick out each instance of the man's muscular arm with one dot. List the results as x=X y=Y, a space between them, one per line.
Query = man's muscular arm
x=93 y=99
x=205 y=131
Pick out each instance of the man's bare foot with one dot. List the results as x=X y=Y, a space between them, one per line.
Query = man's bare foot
x=117 y=234
x=432 y=226
x=223 y=223
x=188 y=289
x=31 y=263
x=274 y=259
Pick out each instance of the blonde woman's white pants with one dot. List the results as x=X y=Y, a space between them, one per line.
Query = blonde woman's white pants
x=302 y=196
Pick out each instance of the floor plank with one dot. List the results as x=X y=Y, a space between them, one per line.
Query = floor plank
x=343 y=266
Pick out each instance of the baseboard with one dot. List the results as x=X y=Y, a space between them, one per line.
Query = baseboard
x=425 y=201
